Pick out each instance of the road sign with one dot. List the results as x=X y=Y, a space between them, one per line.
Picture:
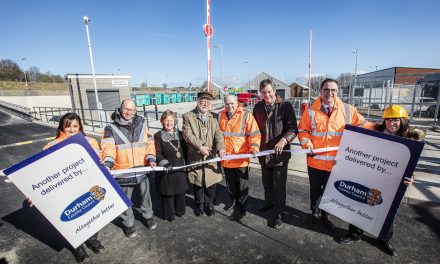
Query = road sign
x=208 y=30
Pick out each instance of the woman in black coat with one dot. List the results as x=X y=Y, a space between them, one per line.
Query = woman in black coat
x=171 y=152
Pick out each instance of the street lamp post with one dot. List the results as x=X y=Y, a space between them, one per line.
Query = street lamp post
x=355 y=74
x=98 y=103
x=221 y=61
x=24 y=71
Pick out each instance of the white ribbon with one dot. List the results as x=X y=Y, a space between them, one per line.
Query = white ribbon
x=217 y=159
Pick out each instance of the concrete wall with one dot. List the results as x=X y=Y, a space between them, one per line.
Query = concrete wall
x=62 y=101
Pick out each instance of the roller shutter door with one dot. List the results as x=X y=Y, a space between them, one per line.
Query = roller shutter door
x=109 y=98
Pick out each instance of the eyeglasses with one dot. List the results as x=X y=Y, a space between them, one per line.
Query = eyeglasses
x=392 y=120
x=128 y=110
x=327 y=90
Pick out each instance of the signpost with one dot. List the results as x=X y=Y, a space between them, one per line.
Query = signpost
x=69 y=186
x=366 y=187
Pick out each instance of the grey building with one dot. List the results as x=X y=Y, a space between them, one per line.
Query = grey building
x=253 y=86
x=111 y=90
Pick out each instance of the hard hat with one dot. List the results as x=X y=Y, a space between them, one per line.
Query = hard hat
x=395 y=111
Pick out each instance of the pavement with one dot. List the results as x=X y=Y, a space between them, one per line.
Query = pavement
x=27 y=237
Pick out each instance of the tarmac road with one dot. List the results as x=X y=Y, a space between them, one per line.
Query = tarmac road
x=26 y=237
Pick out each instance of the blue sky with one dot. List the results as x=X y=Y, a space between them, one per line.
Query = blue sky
x=162 y=40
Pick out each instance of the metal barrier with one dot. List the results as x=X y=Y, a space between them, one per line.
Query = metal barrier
x=90 y=117
x=373 y=92
x=418 y=93
x=15 y=109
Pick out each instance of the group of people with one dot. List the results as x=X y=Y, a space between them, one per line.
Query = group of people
x=127 y=143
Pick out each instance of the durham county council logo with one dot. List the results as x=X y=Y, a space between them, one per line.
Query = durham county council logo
x=83 y=204
x=359 y=192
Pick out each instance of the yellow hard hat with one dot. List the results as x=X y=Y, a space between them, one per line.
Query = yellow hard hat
x=395 y=111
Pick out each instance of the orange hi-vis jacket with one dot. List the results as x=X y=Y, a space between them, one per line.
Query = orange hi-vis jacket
x=323 y=131
x=64 y=136
x=241 y=134
x=127 y=146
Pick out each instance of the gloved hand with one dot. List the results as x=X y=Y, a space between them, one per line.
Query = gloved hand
x=168 y=167
x=108 y=164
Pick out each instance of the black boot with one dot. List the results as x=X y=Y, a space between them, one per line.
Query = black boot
x=80 y=254
x=95 y=245
x=388 y=248
x=198 y=211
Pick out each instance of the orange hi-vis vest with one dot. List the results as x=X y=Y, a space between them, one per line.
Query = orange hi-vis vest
x=241 y=134
x=323 y=131
x=125 y=153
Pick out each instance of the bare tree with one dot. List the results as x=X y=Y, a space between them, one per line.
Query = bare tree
x=315 y=82
x=345 y=79
x=10 y=71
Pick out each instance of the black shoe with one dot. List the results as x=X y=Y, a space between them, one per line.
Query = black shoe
x=276 y=222
x=314 y=219
x=349 y=239
x=388 y=248
x=229 y=205
x=95 y=245
x=198 y=211
x=150 y=223
x=171 y=219
x=265 y=207
x=180 y=215
x=209 y=211
x=238 y=213
x=129 y=231
x=80 y=254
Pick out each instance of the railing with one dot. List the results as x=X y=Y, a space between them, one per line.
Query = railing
x=423 y=113
x=15 y=109
x=93 y=119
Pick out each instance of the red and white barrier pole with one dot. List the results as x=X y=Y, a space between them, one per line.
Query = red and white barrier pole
x=207 y=29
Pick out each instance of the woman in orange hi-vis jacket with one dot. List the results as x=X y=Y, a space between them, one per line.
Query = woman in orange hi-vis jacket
x=69 y=125
x=321 y=126
x=242 y=136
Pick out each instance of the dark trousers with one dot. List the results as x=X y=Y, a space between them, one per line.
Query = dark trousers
x=318 y=180
x=274 y=183
x=204 y=196
x=173 y=204
x=357 y=232
x=237 y=180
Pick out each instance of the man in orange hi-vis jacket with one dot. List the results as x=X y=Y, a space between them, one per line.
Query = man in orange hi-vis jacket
x=321 y=126
x=125 y=144
x=242 y=136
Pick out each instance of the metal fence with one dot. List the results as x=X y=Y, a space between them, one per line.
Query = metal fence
x=93 y=119
x=418 y=93
x=15 y=109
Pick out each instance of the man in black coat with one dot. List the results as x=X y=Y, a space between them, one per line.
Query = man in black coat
x=277 y=122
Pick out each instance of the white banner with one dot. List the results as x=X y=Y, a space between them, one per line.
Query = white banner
x=119 y=173
x=365 y=186
x=70 y=188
